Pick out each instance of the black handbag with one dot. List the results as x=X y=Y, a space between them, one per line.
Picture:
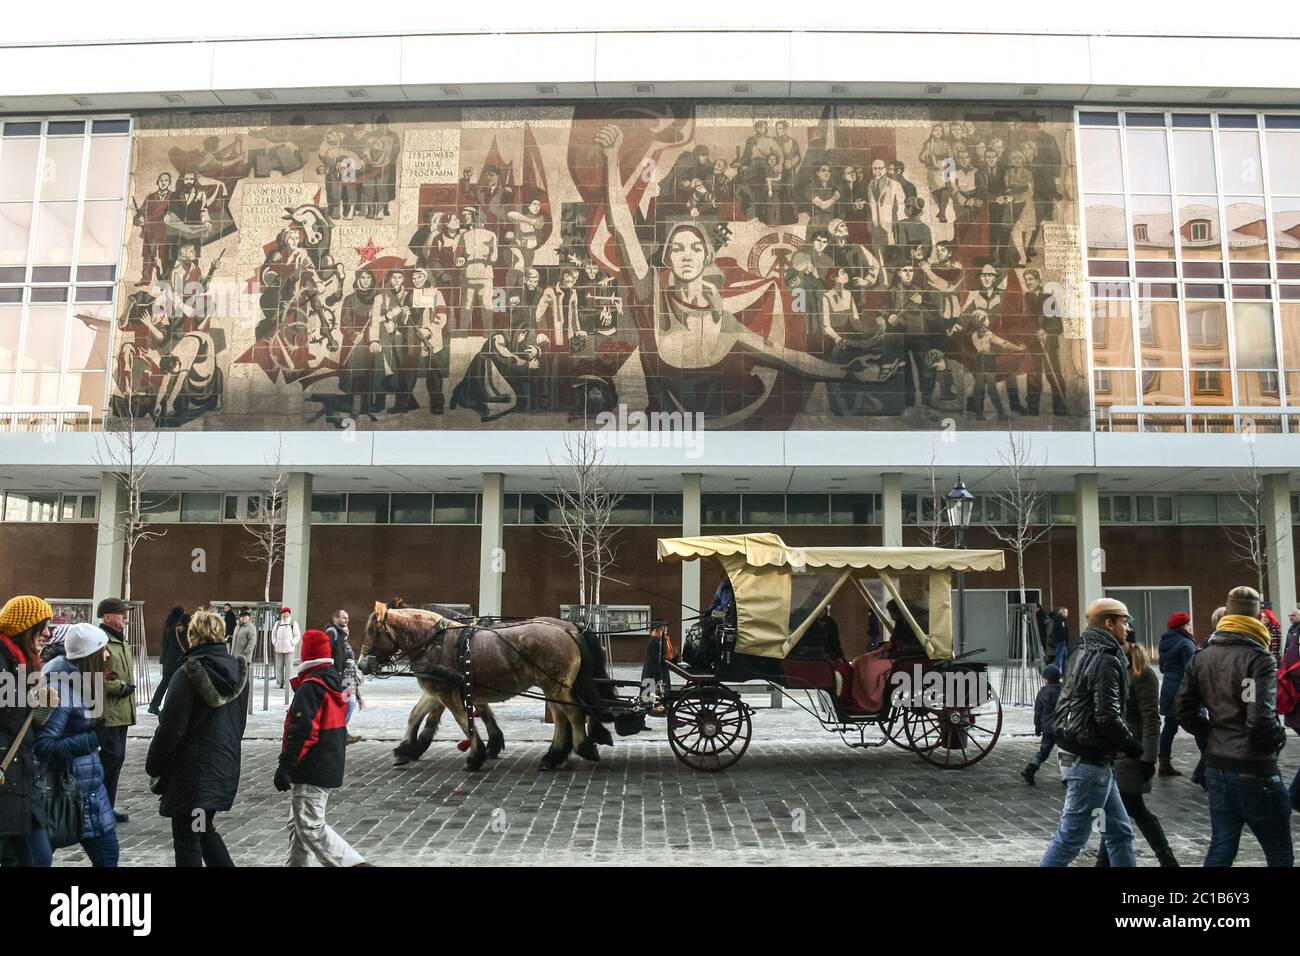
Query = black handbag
x=60 y=795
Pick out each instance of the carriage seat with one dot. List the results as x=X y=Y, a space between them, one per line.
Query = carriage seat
x=867 y=691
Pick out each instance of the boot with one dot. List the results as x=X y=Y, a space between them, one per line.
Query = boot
x=1167 y=769
x=1028 y=773
x=1160 y=846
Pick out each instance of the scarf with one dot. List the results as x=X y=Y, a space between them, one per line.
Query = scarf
x=15 y=650
x=1241 y=624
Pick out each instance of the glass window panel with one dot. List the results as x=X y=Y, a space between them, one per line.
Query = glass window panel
x=1290 y=315
x=1103 y=169
x=1258 y=388
x=101 y=232
x=1240 y=164
x=1198 y=509
x=1292 y=388
x=852 y=509
x=231 y=508
x=86 y=388
x=720 y=509
x=15 y=232
x=110 y=126
x=161 y=505
x=1247 y=228
x=11 y=322
x=1148 y=161
x=764 y=509
x=367 y=509
x=1283 y=162
x=1107 y=229
x=1256 y=346
x=1112 y=333
x=1198 y=227
x=18 y=169
x=55 y=222
x=1164 y=507
x=1114 y=386
x=1122 y=508
x=1162 y=387
x=66 y=127
x=8 y=385
x=1160 y=334
x=88 y=334
x=1146 y=508
x=1210 y=386
x=454 y=508
x=105 y=176
x=31 y=507
x=1236 y=509
x=38 y=388
x=534 y=509
x=412 y=509
x=61 y=169
x=1194 y=161
x=633 y=509
x=201 y=506
x=89 y=504
x=1098 y=119
x=43 y=346
x=1153 y=227
x=807 y=509
x=1207 y=333
x=1103 y=508
x=327 y=509
x=668 y=509
x=1286 y=229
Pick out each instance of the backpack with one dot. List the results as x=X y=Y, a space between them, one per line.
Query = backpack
x=1288 y=697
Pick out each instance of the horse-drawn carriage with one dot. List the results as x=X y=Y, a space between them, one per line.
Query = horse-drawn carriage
x=909 y=686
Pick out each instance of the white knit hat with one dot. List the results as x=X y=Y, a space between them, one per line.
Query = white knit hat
x=82 y=640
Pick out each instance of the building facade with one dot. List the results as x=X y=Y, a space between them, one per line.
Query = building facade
x=793 y=300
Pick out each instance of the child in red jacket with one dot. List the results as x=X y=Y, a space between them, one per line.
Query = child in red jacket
x=312 y=756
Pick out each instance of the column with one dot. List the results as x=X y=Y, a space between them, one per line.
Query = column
x=492 y=554
x=297 y=547
x=690 y=569
x=110 y=540
x=1087 y=544
x=1276 y=519
x=893 y=500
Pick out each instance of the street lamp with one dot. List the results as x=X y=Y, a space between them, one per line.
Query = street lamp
x=959 y=504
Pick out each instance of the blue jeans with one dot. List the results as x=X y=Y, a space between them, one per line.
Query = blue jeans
x=1090 y=788
x=352 y=706
x=1168 y=730
x=1044 y=749
x=1261 y=803
x=102 y=850
x=1060 y=652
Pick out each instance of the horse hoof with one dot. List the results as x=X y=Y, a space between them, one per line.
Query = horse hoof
x=587 y=751
x=553 y=759
x=401 y=760
x=494 y=747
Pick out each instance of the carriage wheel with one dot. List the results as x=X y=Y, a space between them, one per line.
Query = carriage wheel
x=895 y=728
x=708 y=728
x=954 y=737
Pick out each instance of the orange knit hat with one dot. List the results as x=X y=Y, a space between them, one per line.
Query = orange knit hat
x=22 y=612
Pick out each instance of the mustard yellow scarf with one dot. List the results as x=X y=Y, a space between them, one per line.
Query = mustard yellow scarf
x=1241 y=624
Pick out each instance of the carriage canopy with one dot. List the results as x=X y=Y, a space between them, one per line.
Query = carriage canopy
x=781 y=589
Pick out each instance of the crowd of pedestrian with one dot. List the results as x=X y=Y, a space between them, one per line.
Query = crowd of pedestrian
x=1115 y=720
x=63 y=745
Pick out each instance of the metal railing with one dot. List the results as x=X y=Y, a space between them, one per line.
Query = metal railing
x=1199 y=419
x=46 y=418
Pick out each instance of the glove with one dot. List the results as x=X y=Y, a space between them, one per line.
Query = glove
x=282 y=781
x=1133 y=751
x=1148 y=770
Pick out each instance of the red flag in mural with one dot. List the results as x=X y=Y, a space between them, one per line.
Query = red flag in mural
x=533 y=183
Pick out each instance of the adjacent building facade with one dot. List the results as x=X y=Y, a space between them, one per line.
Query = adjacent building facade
x=794 y=300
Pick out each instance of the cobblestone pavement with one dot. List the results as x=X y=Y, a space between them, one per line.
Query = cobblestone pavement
x=799 y=796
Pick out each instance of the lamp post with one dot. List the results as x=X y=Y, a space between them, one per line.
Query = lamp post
x=959 y=504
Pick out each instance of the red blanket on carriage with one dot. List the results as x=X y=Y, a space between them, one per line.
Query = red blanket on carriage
x=866 y=685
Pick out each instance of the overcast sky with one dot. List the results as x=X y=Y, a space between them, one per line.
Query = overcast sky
x=71 y=21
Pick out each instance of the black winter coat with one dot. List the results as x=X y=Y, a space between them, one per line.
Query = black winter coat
x=1090 y=714
x=1045 y=707
x=17 y=796
x=173 y=649
x=197 y=744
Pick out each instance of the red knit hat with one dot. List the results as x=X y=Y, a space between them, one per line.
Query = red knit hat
x=1178 y=619
x=316 y=646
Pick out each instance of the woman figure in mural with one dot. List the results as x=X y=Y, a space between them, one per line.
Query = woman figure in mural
x=823 y=198
x=692 y=332
x=1024 y=221
x=427 y=343
x=390 y=316
x=971 y=228
x=936 y=157
x=361 y=377
x=506 y=375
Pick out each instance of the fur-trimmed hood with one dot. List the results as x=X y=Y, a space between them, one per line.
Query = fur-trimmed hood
x=217 y=675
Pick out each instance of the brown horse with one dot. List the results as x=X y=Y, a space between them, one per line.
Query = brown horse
x=507 y=660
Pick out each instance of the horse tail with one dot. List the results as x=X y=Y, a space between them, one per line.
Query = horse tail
x=585 y=689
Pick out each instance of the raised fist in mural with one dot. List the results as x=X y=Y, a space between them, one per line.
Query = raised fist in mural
x=609 y=138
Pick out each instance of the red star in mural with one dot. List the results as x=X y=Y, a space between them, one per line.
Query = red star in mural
x=369 y=251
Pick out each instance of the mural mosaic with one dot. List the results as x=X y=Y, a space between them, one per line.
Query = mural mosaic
x=787 y=266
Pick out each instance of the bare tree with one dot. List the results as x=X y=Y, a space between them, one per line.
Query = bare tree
x=934 y=528
x=264 y=520
x=1021 y=503
x=582 y=509
x=130 y=452
x=1251 y=540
